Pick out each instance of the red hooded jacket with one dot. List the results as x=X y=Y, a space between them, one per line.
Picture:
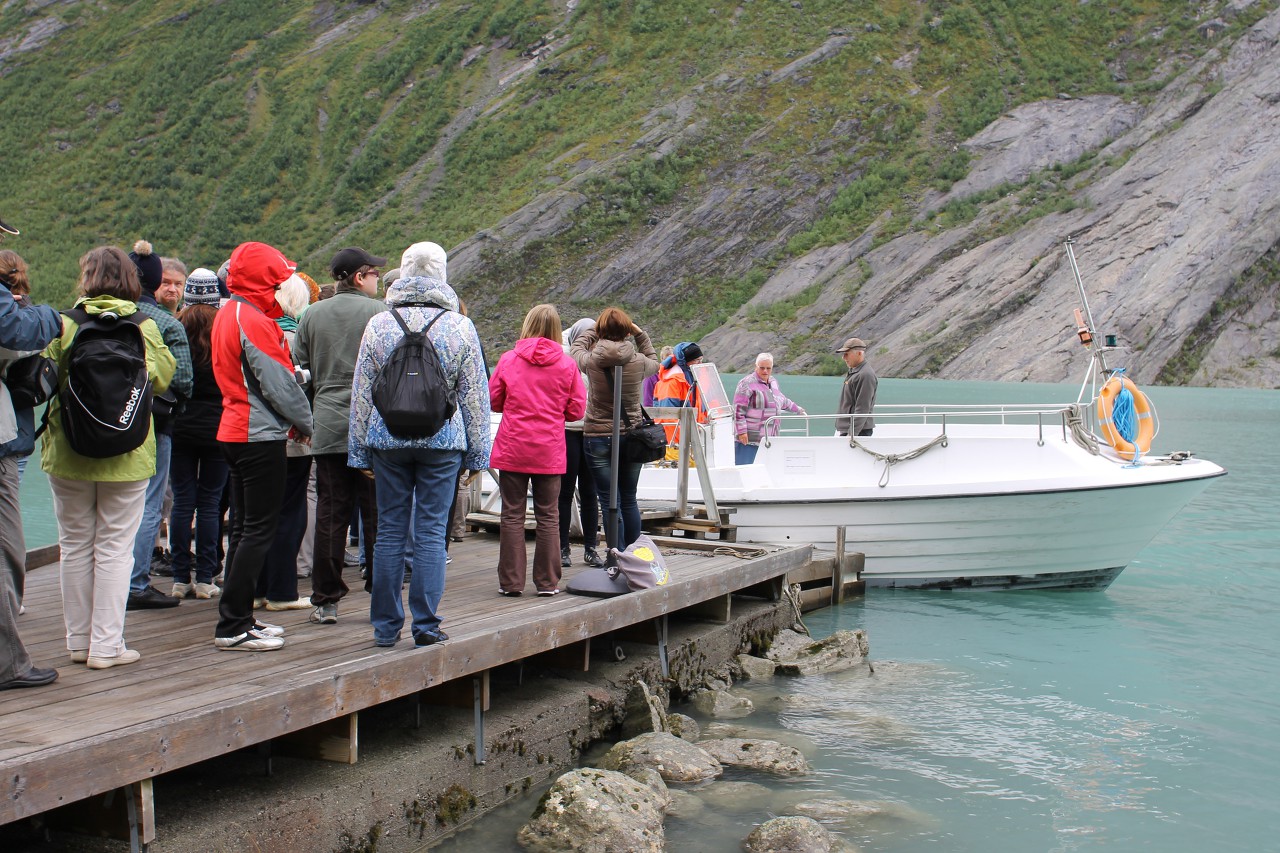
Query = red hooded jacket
x=261 y=399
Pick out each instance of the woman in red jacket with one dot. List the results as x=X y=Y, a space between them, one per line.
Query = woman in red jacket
x=537 y=388
x=262 y=406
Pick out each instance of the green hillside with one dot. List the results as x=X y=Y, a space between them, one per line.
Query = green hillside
x=312 y=126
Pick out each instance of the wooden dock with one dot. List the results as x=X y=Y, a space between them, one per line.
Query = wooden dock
x=112 y=731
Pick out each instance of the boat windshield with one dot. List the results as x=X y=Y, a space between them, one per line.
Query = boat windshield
x=711 y=389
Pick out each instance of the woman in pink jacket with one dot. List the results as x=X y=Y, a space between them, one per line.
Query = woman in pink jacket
x=537 y=388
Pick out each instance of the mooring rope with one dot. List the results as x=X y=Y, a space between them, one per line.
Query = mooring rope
x=891 y=459
x=793 y=595
x=1079 y=432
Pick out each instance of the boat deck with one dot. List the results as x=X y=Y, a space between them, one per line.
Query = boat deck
x=185 y=701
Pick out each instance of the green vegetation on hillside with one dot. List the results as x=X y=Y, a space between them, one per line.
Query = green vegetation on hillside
x=311 y=126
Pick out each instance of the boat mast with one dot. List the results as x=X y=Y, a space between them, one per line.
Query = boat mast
x=1095 y=348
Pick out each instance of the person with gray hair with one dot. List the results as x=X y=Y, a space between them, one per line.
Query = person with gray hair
x=756 y=401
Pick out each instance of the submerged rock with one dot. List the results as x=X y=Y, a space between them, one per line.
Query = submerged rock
x=862 y=814
x=738 y=797
x=722 y=703
x=789 y=835
x=675 y=760
x=596 y=811
x=766 y=756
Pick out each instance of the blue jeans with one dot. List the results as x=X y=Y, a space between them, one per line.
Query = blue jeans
x=145 y=542
x=415 y=484
x=599 y=449
x=199 y=478
x=744 y=454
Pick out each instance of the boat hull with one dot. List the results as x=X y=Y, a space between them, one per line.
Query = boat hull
x=996 y=507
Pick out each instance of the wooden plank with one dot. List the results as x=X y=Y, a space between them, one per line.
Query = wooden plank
x=335 y=740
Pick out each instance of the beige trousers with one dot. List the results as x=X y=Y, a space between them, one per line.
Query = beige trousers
x=97 y=523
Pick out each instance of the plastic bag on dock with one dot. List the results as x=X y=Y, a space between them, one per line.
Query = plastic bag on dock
x=642 y=564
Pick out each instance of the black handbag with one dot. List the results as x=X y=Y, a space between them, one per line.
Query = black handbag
x=644 y=443
x=31 y=380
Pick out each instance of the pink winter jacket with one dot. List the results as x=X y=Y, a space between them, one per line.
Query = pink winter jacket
x=537 y=388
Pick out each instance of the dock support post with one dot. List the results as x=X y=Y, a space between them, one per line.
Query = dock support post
x=837 y=567
x=477 y=686
x=661 y=625
x=126 y=813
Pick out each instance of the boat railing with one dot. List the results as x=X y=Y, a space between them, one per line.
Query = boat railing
x=1052 y=415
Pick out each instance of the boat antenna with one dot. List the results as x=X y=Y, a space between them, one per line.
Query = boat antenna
x=1086 y=327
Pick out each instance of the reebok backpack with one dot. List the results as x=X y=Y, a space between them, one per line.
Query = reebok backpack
x=411 y=392
x=106 y=402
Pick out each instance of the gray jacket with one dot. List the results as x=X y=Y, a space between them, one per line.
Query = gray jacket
x=326 y=343
x=858 y=396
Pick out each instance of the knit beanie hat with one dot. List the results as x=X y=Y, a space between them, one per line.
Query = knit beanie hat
x=201 y=288
x=150 y=270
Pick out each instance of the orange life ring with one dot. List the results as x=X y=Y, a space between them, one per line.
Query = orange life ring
x=1141 y=406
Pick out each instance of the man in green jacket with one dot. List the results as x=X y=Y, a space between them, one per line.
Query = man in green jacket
x=326 y=344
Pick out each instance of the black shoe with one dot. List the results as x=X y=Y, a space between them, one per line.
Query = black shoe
x=34 y=677
x=566 y=560
x=150 y=598
x=592 y=558
x=160 y=564
x=430 y=639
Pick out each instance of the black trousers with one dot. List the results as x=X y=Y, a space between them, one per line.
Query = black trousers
x=578 y=476
x=338 y=489
x=257 y=486
x=279 y=578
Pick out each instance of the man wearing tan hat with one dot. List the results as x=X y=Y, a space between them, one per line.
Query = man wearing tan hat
x=858 y=396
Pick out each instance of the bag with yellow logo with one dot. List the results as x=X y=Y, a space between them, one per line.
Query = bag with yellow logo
x=642 y=564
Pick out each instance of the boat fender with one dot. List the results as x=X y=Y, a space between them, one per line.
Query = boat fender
x=1129 y=441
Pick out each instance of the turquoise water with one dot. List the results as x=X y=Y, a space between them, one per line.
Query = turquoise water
x=1143 y=717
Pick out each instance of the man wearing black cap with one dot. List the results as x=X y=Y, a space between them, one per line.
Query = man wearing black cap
x=327 y=343
x=858 y=396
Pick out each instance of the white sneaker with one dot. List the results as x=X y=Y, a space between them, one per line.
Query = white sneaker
x=182 y=590
x=126 y=656
x=78 y=655
x=252 y=640
x=268 y=629
x=208 y=590
x=300 y=604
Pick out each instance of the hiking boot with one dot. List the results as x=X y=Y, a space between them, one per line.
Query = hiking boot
x=252 y=640
x=149 y=599
x=592 y=558
x=208 y=590
x=183 y=590
x=325 y=614
x=566 y=559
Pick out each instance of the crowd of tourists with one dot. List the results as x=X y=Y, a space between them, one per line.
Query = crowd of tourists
x=247 y=425
x=264 y=423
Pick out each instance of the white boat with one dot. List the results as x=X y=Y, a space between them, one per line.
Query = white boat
x=945 y=497
x=994 y=501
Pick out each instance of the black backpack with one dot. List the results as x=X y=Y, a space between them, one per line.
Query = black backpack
x=106 y=402
x=411 y=391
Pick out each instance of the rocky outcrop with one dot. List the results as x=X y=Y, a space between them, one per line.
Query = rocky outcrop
x=796 y=654
x=1173 y=212
x=596 y=811
x=675 y=760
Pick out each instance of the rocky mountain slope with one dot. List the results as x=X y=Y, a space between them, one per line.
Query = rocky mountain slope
x=757 y=174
